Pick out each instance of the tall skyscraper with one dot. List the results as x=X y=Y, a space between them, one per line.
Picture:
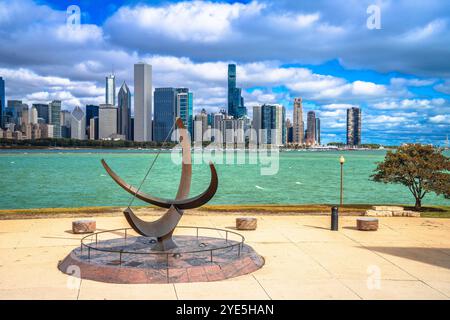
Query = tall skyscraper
x=200 y=126
x=317 y=131
x=353 y=126
x=107 y=121
x=78 y=124
x=270 y=123
x=185 y=108
x=297 y=127
x=43 y=111
x=236 y=106
x=66 y=122
x=33 y=115
x=91 y=112
x=2 y=102
x=110 y=92
x=143 y=102
x=311 y=128
x=165 y=111
x=124 y=112
x=54 y=115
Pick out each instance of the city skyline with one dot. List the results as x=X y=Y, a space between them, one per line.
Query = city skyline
x=404 y=96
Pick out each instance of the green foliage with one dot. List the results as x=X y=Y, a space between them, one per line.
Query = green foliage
x=421 y=168
x=74 y=143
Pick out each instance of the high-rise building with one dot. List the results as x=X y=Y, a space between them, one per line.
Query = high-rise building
x=66 y=122
x=311 y=128
x=107 y=121
x=110 y=92
x=270 y=124
x=201 y=126
x=297 y=127
x=317 y=131
x=78 y=124
x=143 y=102
x=13 y=108
x=54 y=117
x=33 y=115
x=236 y=106
x=124 y=112
x=353 y=126
x=185 y=108
x=165 y=111
x=25 y=117
x=2 y=102
x=93 y=128
x=91 y=112
x=43 y=111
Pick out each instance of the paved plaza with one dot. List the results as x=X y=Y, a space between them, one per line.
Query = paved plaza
x=407 y=258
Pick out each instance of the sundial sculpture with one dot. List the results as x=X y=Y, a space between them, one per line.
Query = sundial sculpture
x=163 y=228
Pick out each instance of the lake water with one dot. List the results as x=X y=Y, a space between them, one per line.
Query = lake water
x=76 y=178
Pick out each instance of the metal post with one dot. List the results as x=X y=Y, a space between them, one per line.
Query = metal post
x=342 y=184
x=334 y=219
x=239 y=250
x=89 y=253
x=120 y=257
x=226 y=236
x=96 y=240
x=211 y=257
x=125 y=234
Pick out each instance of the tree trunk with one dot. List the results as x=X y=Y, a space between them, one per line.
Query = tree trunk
x=418 y=205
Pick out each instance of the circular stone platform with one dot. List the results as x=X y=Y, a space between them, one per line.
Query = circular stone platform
x=196 y=259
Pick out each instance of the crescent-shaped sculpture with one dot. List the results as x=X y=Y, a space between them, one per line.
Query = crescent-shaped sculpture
x=162 y=229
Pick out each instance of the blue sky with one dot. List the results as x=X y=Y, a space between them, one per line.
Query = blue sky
x=320 y=50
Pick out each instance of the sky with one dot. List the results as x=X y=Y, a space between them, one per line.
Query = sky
x=322 y=51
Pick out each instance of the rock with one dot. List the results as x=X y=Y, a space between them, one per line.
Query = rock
x=414 y=214
x=246 y=223
x=387 y=208
x=83 y=226
x=376 y=213
x=367 y=224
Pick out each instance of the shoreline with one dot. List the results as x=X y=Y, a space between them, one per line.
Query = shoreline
x=436 y=211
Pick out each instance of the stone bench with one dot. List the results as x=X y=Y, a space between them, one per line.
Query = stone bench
x=246 y=223
x=367 y=224
x=83 y=226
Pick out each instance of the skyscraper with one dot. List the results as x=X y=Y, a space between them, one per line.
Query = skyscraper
x=42 y=110
x=143 y=102
x=353 y=126
x=297 y=127
x=78 y=124
x=317 y=131
x=2 y=102
x=311 y=128
x=165 y=100
x=185 y=108
x=200 y=126
x=91 y=112
x=107 y=121
x=270 y=123
x=124 y=112
x=66 y=122
x=54 y=117
x=236 y=106
x=110 y=92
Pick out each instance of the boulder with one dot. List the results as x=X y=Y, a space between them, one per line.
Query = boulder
x=367 y=224
x=376 y=213
x=83 y=226
x=246 y=223
x=387 y=208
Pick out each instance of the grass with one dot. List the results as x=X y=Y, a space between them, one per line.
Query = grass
x=353 y=209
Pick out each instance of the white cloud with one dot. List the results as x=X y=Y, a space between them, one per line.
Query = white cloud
x=441 y=118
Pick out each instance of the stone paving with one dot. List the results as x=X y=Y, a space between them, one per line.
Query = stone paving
x=407 y=258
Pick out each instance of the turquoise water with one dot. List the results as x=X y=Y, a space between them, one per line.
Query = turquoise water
x=54 y=178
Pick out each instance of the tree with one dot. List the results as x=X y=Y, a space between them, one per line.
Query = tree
x=422 y=168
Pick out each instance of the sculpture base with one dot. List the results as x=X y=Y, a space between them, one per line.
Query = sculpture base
x=132 y=260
